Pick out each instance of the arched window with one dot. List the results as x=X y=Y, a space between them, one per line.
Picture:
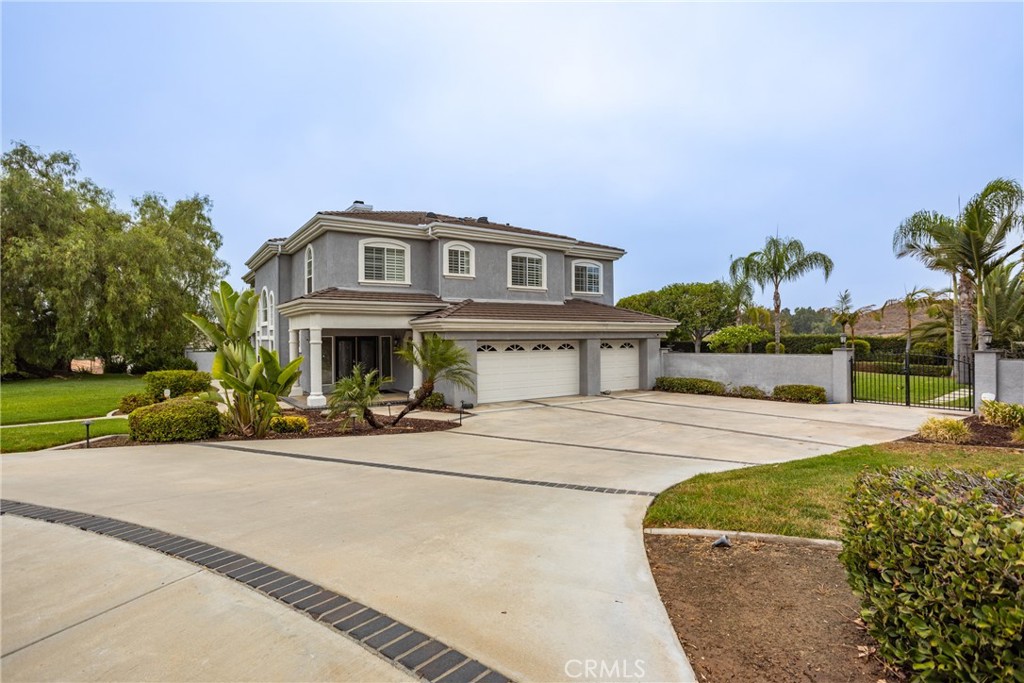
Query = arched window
x=271 y=321
x=309 y=269
x=458 y=260
x=384 y=261
x=263 y=307
x=586 y=277
x=526 y=269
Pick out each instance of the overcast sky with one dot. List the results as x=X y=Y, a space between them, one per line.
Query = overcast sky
x=681 y=133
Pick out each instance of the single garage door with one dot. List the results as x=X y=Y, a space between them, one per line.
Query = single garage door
x=516 y=371
x=620 y=365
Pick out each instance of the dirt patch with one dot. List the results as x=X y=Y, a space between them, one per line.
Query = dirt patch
x=982 y=434
x=319 y=426
x=763 y=612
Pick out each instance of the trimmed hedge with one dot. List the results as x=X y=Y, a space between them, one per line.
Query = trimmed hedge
x=896 y=368
x=748 y=391
x=180 y=382
x=129 y=402
x=770 y=347
x=433 y=402
x=861 y=347
x=179 y=419
x=690 y=385
x=289 y=424
x=824 y=343
x=937 y=559
x=799 y=393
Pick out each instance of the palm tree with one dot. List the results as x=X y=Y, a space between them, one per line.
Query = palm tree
x=353 y=397
x=841 y=313
x=439 y=359
x=782 y=259
x=1004 y=305
x=741 y=293
x=911 y=301
x=967 y=248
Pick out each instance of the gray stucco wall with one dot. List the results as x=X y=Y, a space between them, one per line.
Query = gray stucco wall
x=490 y=281
x=1011 y=381
x=764 y=371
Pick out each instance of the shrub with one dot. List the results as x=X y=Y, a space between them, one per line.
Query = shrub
x=806 y=343
x=770 y=347
x=433 y=402
x=115 y=367
x=748 y=392
x=897 y=368
x=690 y=385
x=1018 y=435
x=289 y=424
x=944 y=430
x=799 y=393
x=180 y=382
x=155 y=361
x=861 y=347
x=180 y=419
x=1003 y=414
x=736 y=338
x=822 y=348
x=129 y=402
x=935 y=557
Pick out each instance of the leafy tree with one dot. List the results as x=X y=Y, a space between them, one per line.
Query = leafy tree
x=354 y=396
x=701 y=308
x=736 y=338
x=782 y=259
x=83 y=278
x=439 y=359
x=252 y=380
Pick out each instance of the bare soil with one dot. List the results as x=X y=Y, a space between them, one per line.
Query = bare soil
x=982 y=434
x=763 y=612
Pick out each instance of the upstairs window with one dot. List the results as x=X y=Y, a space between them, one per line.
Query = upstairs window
x=309 y=269
x=586 y=277
x=384 y=261
x=526 y=269
x=458 y=260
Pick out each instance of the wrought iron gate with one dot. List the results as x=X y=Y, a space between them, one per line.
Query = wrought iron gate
x=913 y=380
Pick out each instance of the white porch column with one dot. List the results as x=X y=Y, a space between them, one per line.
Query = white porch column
x=293 y=353
x=417 y=374
x=316 y=396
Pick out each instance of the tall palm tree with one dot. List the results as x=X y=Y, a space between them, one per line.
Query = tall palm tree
x=439 y=359
x=741 y=293
x=967 y=248
x=917 y=298
x=782 y=259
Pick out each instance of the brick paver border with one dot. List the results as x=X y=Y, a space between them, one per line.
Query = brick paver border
x=414 y=652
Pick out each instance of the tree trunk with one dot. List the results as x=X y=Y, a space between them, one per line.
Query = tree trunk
x=777 y=300
x=426 y=389
x=371 y=419
x=965 y=306
x=696 y=343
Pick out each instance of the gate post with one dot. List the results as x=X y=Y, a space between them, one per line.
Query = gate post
x=842 y=375
x=986 y=375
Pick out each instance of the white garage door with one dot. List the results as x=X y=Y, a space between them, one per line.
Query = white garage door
x=620 y=365
x=515 y=371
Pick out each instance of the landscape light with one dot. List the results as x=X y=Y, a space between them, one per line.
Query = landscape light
x=87 y=423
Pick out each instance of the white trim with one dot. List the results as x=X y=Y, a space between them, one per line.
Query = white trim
x=387 y=244
x=309 y=270
x=543 y=269
x=462 y=246
x=476 y=325
x=272 y=320
x=600 y=277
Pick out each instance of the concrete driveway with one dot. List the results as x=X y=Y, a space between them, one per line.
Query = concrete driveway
x=516 y=538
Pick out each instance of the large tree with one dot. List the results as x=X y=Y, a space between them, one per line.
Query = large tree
x=84 y=278
x=782 y=259
x=701 y=308
x=968 y=248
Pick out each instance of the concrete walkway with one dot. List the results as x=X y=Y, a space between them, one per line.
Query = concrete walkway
x=494 y=537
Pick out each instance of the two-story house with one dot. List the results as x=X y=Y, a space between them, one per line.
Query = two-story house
x=533 y=309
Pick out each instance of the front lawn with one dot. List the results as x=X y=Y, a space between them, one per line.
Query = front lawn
x=803 y=497
x=36 y=437
x=55 y=398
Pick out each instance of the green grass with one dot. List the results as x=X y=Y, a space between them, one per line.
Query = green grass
x=886 y=388
x=36 y=437
x=803 y=497
x=78 y=396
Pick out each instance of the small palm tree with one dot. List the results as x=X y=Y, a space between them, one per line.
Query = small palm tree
x=919 y=297
x=782 y=259
x=841 y=313
x=353 y=397
x=439 y=359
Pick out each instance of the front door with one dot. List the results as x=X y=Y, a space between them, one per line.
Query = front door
x=364 y=351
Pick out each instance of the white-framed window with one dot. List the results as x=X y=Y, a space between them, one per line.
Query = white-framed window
x=527 y=269
x=265 y=320
x=586 y=277
x=459 y=260
x=384 y=261
x=271 y=321
x=309 y=269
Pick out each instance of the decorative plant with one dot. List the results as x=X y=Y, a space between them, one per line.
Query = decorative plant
x=251 y=380
x=439 y=359
x=354 y=395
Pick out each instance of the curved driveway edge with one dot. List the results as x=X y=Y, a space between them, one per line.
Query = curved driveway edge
x=411 y=651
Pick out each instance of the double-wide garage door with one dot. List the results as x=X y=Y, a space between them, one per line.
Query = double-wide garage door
x=520 y=370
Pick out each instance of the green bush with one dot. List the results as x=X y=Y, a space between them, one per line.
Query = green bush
x=770 y=347
x=289 y=424
x=736 y=338
x=115 y=367
x=799 y=393
x=1003 y=414
x=822 y=348
x=806 y=343
x=433 y=402
x=690 y=385
x=1018 y=435
x=861 y=347
x=179 y=419
x=180 y=382
x=157 y=361
x=936 y=557
x=748 y=392
x=129 y=402
x=897 y=368
x=944 y=430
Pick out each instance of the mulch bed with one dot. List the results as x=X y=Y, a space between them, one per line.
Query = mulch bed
x=982 y=434
x=319 y=426
x=763 y=612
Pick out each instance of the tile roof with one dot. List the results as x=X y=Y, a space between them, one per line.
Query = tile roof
x=427 y=217
x=571 y=310
x=338 y=294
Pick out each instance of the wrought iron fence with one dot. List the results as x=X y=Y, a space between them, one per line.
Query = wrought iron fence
x=913 y=380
